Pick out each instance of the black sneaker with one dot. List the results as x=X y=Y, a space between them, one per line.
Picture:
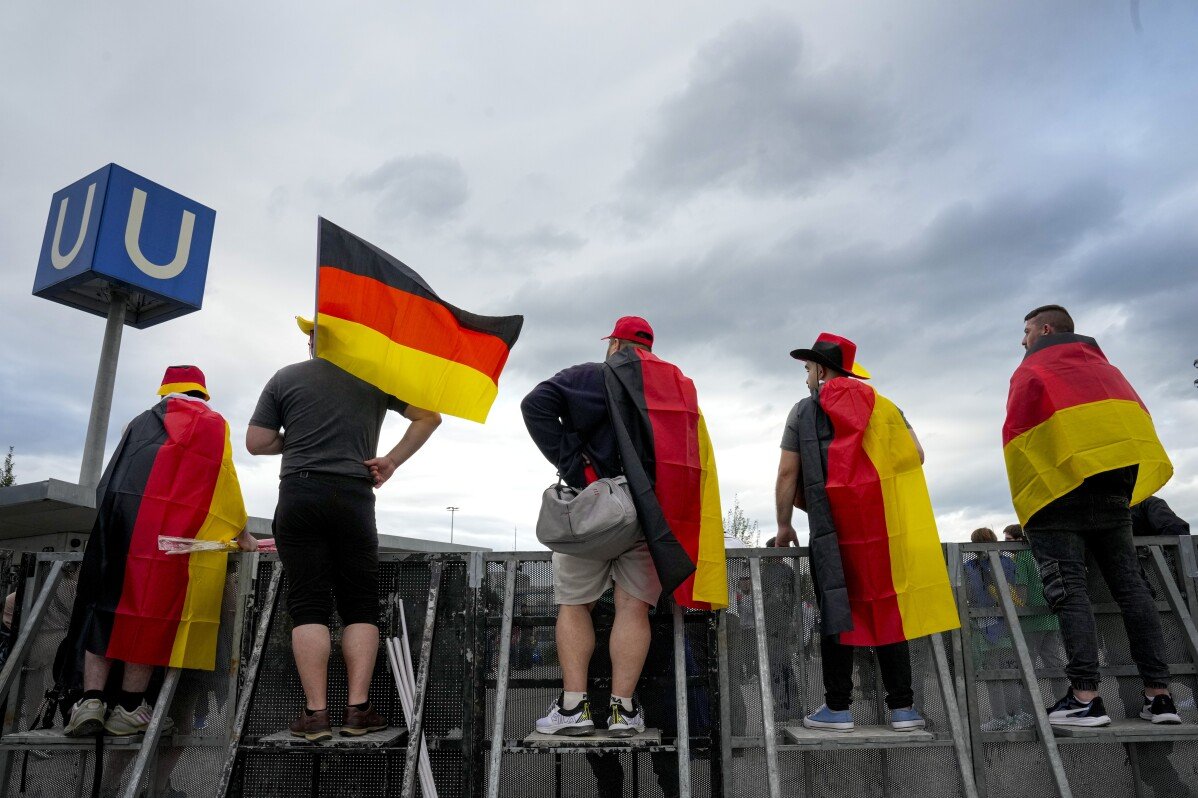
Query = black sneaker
x=1160 y=709
x=1071 y=712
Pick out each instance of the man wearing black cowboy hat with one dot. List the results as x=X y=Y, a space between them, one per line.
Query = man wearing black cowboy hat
x=851 y=461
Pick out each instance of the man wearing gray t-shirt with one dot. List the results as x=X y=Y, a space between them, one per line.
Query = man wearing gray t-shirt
x=326 y=424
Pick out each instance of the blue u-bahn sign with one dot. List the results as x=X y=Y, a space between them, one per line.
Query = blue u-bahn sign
x=117 y=230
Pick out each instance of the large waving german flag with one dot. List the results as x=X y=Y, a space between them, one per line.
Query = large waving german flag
x=381 y=322
x=670 y=465
x=172 y=474
x=879 y=510
x=1071 y=415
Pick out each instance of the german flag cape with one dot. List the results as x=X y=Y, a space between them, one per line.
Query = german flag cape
x=1071 y=415
x=670 y=466
x=172 y=474
x=874 y=544
x=381 y=322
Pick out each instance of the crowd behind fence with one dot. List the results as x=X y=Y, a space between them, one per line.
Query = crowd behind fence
x=751 y=673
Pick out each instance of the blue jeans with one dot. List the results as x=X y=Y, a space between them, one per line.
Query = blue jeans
x=1060 y=536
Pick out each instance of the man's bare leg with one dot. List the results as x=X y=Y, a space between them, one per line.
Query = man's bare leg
x=360 y=647
x=95 y=671
x=629 y=642
x=136 y=678
x=310 y=645
x=575 y=644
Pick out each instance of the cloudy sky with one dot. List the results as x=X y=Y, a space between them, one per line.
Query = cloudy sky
x=915 y=176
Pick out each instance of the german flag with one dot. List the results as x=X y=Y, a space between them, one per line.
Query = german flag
x=381 y=322
x=1071 y=415
x=172 y=474
x=881 y=515
x=670 y=465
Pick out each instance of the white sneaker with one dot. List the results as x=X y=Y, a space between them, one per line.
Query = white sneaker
x=622 y=723
x=575 y=723
x=87 y=718
x=122 y=723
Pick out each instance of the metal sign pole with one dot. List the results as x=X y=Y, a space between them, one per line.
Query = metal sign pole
x=97 y=424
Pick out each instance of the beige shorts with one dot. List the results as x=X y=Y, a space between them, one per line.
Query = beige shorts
x=580 y=581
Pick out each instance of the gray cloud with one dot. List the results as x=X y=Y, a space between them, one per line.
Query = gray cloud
x=543 y=239
x=756 y=117
x=428 y=188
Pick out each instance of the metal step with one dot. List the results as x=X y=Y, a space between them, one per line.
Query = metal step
x=601 y=740
x=860 y=737
x=394 y=737
x=1130 y=730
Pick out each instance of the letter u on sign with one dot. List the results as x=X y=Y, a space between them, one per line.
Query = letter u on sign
x=137 y=210
x=59 y=260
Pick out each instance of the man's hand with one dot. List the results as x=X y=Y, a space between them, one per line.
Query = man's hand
x=246 y=541
x=381 y=469
x=786 y=536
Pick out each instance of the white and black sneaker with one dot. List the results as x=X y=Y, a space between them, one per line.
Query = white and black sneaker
x=1071 y=712
x=1160 y=709
x=573 y=722
x=622 y=723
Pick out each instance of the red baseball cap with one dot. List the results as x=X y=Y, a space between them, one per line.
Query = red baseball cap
x=181 y=379
x=632 y=328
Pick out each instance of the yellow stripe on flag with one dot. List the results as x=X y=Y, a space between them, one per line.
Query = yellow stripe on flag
x=1052 y=458
x=711 y=572
x=199 y=622
x=917 y=566
x=416 y=377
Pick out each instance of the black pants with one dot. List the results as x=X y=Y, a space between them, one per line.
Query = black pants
x=894 y=661
x=327 y=541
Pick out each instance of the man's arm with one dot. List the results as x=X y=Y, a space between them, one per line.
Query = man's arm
x=787 y=496
x=918 y=445
x=543 y=409
x=260 y=440
x=424 y=424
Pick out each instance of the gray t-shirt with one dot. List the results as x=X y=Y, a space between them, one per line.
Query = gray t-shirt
x=790 y=435
x=330 y=419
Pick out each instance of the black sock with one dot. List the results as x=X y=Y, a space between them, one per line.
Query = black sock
x=90 y=694
x=130 y=701
x=365 y=705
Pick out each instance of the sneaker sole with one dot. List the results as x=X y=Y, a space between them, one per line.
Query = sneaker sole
x=819 y=726
x=1105 y=721
x=570 y=731
x=1166 y=718
x=909 y=725
x=624 y=732
x=86 y=728
x=358 y=731
x=315 y=737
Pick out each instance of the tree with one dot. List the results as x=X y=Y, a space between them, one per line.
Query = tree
x=6 y=475
x=738 y=526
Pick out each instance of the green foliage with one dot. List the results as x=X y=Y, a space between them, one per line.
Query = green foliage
x=737 y=525
x=6 y=473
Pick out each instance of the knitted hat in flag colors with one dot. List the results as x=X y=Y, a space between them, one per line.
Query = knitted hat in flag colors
x=181 y=379
x=670 y=466
x=381 y=322
x=172 y=474
x=1071 y=415
x=875 y=552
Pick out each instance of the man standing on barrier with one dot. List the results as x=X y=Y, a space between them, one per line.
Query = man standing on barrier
x=634 y=415
x=851 y=461
x=171 y=474
x=324 y=521
x=1081 y=450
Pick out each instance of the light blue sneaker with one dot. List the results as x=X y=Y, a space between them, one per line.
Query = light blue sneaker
x=906 y=719
x=829 y=720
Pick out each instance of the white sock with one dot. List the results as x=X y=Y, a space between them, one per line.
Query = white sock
x=625 y=703
x=571 y=700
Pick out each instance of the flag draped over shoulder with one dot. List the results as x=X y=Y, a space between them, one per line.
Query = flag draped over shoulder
x=871 y=498
x=1071 y=415
x=172 y=474
x=670 y=465
x=381 y=322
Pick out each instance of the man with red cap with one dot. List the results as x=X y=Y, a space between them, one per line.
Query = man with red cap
x=172 y=474
x=853 y=463
x=592 y=421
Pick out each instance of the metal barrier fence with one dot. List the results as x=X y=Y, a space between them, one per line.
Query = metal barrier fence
x=748 y=676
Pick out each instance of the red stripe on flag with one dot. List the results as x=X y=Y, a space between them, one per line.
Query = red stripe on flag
x=177 y=495
x=673 y=407
x=859 y=514
x=409 y=320
x=1058 y=377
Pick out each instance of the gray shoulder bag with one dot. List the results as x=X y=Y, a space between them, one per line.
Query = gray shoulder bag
x=596 y=523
